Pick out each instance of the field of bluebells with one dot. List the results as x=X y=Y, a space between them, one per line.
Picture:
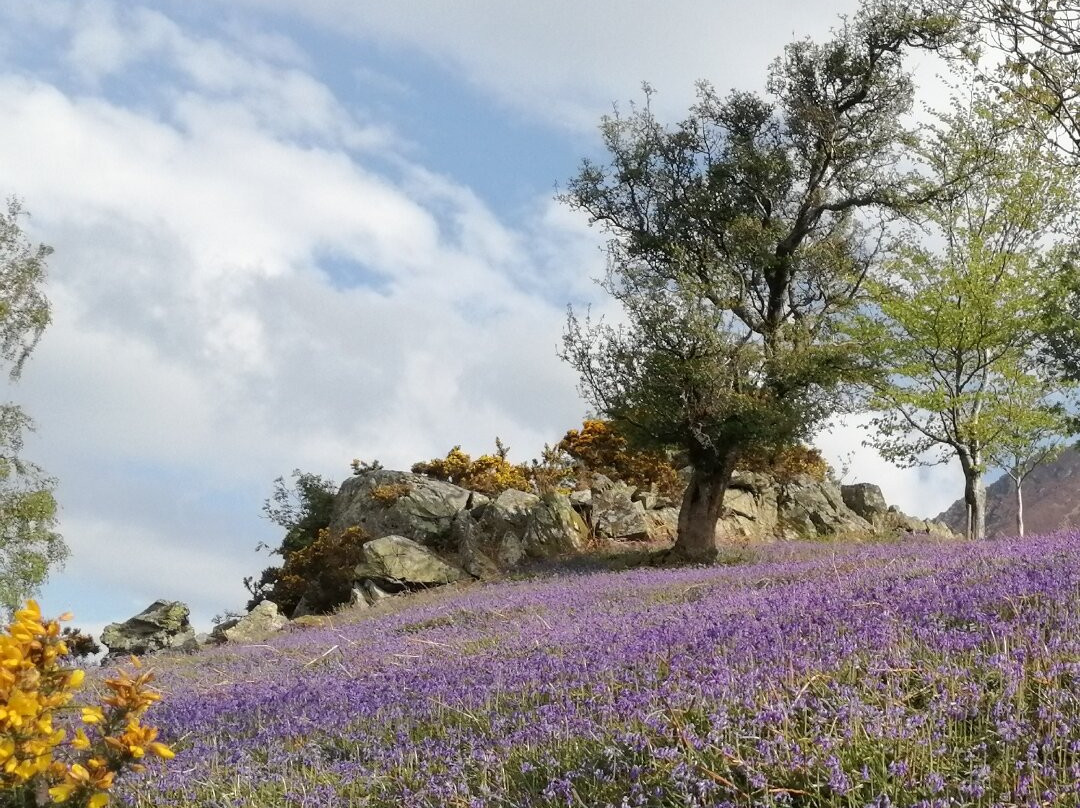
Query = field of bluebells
x=905 y=674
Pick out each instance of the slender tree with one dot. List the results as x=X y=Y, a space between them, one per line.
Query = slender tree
x=1033 y=424
x=739 y=239
x=29 y=544
x=954 y=323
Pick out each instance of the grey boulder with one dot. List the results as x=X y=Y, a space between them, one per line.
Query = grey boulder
x=508 y=512
x=468 y=538
x=385 y=502
x=403 y=563
x=615 y=515
x=866 y=500
x=554 y=528
x=161 y=625
x=257 y=624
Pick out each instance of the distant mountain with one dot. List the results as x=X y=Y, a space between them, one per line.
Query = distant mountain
x=1051 y=500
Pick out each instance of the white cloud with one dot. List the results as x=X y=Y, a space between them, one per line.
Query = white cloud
x=923 y=492
x=197 y=333
x=566 y=61
x=251 y=277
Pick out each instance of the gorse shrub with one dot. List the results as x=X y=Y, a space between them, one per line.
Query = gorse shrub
x=303 y=510
x=36 y=757
x=389 y=493
x=489 y=474
x=785 y=464
x=599 y=448
x=321 y=572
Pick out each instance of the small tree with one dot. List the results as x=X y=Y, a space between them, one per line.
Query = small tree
x=735 y=250
x=1032 y=427
x=304 y=511
x=29 y=544
x=954 y=325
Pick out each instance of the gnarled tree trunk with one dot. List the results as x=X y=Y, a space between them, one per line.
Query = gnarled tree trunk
x=702 y=506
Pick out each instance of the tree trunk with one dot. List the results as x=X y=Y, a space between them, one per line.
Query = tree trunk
x=702 y=505
x=1019 y=508
x=974 y=497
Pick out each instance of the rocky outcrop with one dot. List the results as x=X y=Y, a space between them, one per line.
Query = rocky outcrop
x=614 y=512
x=385 y=502
x=807 y=507
x=161 y=625
x=508 y=512
x=751 y=509
x=256 y=625
x=472 y=545
x=866 y=500
x=663 y=524
x=401 y=563
x=554 y=528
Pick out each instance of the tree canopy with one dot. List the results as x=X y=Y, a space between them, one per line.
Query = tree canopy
x=957 y=308
x=740 y=237
x=29 y=543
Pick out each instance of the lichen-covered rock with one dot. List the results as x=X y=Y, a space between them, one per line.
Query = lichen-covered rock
x=467 y=536
x=554 y=528
x=511 y=550
x=257 y=624
x=508 y=512
x=866 y=500
x=581 y=499
x=385 y=502
x=161 y=625
x=403 y=563
x=808 y=507
x=663 y=524
x=615 y=515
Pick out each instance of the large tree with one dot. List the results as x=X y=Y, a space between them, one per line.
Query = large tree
x=739 y=238
x=959 y=305
x=29 y=544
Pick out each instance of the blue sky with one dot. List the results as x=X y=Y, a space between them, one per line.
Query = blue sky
x=290 y=234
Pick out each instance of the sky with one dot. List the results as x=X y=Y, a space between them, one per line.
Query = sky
x=292 y=233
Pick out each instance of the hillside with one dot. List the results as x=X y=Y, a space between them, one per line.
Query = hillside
x=1051 y=500
x=902 y=673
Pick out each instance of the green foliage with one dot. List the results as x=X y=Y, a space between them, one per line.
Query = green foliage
x=1034 y=61
x=1060 y=332
x=735 y=250
x=24 y=309
x=29 y=545
x=952 y=335
x=321 y=571
x=303 y=510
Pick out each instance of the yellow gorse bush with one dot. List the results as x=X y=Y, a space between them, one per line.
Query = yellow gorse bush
x=39 y=764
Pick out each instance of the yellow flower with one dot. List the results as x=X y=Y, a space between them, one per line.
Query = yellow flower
x=98 y=800
x=92 y=715
x=80 y=741
x=62 y=792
